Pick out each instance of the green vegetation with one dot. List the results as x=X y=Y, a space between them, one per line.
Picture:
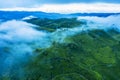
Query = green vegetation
x=89 y=55
x=52 y=24
x=93 y=55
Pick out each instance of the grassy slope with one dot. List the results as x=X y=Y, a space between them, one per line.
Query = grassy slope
x=92 y=55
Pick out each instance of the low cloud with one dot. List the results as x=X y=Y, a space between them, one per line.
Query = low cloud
x=71 y=8
x=103 y=21
x=19 y=39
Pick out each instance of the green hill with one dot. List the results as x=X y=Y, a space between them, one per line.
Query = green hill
x=51 y=25
x=91 y=55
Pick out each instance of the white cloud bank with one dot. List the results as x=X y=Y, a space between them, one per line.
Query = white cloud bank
x=71 y=8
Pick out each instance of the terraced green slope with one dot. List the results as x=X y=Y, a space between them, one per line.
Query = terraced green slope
x=91 y=55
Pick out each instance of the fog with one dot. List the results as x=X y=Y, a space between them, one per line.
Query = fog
x=105 y=22
x=19 y=39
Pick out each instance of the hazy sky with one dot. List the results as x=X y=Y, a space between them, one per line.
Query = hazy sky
x=64 y=6
x=30 y=3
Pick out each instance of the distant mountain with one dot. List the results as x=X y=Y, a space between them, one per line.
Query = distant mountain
x=8 y=15
x=94 y=14
x=18 y=15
